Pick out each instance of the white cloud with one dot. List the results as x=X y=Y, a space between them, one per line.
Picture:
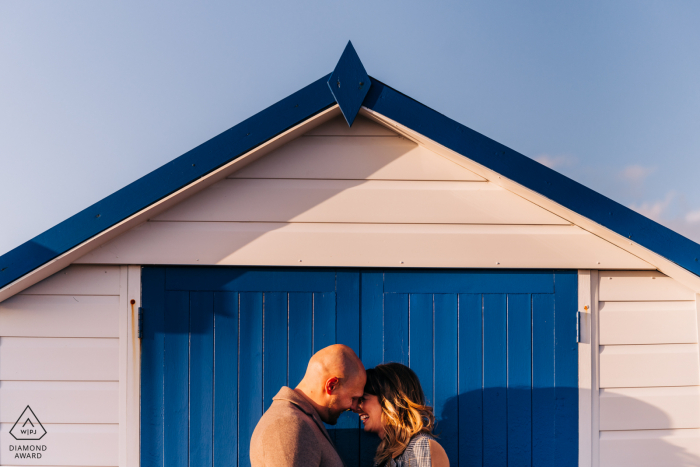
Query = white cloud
x=636 y=173
x=654 y=210
x=693 y=217
x=562 y=160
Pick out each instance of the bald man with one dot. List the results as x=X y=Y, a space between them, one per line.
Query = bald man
x=291 y=432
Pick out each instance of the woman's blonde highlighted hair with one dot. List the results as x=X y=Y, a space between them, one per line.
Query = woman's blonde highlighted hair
x=404 y=413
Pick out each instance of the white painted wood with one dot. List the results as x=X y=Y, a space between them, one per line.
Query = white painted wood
x=650 y=448
x=595 y=371
x=80 y=280
x=66 y=445
x=133 y=379
x=648 y=323
x=59 y=359
x=650 y=408
x=631 y=366
x=348 y=158
x=60 y=401
x=628 y=286
x=350 y=245
x=60 y=316
x=362 y=126
x=123 y=312
x=664 y=265
x=67 y=258
x=584 y=371
x=353 y=201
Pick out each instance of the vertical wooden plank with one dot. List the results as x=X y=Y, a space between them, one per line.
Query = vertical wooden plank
x=133 y=382
x=446 y=371
x=176 y=376
x=543 y=397
x=324 y=320
x=348 y=313
x=324 y=328
x=371 y=342
x=495 y=380
x=250 y=390
x=396 y=328
x=420 y=340
x=372 y=300
x=566 y=368
x=274 y=345
x=123 y=359
x=347 y=435
x=201 y=378
x=153 y=283
x=471 y=397
x=595 y=372
x=519 y=392
x=584 y=370
x=300 y=338
x=225 y=379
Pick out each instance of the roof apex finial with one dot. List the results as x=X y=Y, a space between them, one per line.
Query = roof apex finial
x=349 y=83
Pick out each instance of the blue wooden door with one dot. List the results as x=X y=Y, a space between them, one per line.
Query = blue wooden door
x=495 y=352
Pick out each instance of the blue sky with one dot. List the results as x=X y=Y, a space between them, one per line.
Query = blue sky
x=93 y=95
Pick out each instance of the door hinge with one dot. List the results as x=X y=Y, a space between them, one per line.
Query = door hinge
x=140 y=323
x=578 y=326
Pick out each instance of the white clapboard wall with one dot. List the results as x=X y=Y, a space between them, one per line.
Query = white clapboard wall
x=649 y=371
x=59 y=354
x=360 y=196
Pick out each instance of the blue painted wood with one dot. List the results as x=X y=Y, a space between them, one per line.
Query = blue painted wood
x=544 y=403
x=372 y=345
x=421 y=341
x=347 y=435
x=165 y=180
x=220 y=279
x=152 y=360
x=250 y=379
x=396 y=328
x=274 y=345
x=474 y=353
x=349 y=83
x=533 y=175
x=468 y=281
x=471 y=393
x=372 y=342
x=176 y=372
x=446 y=374
x=519 y=393
x=225 y=379
x=495 y=381
x=300 y=338
x=201 y=378
x=324 y=320
x=566 y=368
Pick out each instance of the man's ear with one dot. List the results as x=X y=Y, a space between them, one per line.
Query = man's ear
x=331 y=385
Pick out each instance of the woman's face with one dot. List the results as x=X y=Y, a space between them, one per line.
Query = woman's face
x=371 y=414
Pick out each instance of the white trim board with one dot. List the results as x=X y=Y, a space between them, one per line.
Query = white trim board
x=657 y=261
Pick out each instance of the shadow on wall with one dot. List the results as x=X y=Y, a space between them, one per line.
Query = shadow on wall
x=523 y=437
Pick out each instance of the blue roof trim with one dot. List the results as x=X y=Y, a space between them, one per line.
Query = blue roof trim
x=165 y=180
x=533 y=175
x=349 y=83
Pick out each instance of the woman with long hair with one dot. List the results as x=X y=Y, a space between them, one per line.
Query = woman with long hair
x=393 y=407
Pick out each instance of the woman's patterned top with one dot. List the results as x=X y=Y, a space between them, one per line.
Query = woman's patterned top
x=416 y=454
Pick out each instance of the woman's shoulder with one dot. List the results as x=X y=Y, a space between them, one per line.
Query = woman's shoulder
x=427 y=451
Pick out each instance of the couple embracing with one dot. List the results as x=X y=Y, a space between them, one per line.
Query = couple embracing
x=388 y=398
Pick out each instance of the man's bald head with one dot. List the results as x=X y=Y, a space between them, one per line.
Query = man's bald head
x=334 y=381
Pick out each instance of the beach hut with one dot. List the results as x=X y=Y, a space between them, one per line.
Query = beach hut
x=549 y=325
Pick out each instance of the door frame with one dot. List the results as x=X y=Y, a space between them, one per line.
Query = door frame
x=130 y=369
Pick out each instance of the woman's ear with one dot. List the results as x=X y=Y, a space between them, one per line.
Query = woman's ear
x=331 y=385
